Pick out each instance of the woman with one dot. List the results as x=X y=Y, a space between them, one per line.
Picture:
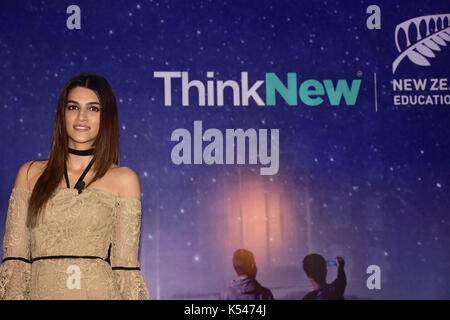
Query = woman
x=73 y=222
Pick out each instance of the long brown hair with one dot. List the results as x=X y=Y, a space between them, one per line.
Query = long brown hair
x=106 y=144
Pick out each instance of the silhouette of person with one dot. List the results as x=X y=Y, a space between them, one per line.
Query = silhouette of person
x=245 y=287
x=315 y=268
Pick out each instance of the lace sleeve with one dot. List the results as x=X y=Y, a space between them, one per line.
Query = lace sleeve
x=15 y=270
x=124 y=254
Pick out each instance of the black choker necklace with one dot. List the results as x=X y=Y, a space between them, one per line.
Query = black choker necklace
x=80 y=183
x=88 y=152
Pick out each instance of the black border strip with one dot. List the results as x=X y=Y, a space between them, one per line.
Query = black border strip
x=16 y=258
x=126 y=268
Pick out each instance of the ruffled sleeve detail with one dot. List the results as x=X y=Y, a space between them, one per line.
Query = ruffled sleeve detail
x=15 y=270
x=125 y=246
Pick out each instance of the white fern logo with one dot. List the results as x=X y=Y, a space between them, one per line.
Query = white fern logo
x=432 y=33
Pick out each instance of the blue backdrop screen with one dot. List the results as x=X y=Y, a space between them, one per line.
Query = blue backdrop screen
x=350 y=100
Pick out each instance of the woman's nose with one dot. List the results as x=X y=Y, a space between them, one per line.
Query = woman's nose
x=82 y=115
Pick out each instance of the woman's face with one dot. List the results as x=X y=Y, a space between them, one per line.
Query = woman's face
x=82 y=117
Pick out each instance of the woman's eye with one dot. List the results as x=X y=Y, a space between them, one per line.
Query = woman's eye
x=73 y=107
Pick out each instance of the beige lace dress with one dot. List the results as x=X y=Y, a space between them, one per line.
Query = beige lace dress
x=86 y=247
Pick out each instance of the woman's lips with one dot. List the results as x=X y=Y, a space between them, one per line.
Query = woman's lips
x=81 y=128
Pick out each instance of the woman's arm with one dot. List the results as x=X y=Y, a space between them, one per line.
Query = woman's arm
x=124 y=254
x=15 y=270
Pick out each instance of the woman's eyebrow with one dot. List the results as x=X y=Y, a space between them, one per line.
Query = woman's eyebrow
x=73 y=101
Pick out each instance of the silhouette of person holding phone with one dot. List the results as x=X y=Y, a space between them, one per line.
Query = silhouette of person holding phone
x=315 y=267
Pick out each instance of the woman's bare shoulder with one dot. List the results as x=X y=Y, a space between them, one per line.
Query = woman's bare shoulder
x=28 y=173
x=123 y=171
x=128 y=182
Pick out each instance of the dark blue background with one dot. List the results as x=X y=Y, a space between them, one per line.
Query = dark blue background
x=377 y=181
